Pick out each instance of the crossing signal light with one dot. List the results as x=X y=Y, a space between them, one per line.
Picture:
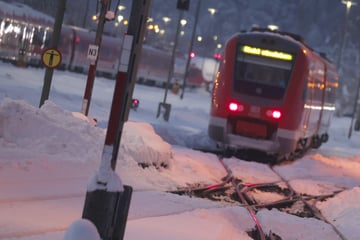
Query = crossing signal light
x=217 y=56
x=192 y=54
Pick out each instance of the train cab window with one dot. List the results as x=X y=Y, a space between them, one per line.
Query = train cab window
x=254 y=72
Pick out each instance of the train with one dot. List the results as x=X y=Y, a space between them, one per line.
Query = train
x=25 y=33
x=273 y=94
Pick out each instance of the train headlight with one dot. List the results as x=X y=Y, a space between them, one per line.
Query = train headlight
x=235 y=107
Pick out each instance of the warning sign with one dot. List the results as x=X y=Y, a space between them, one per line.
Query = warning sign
x=51 y=58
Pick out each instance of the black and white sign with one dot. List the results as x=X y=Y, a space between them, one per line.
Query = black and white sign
x=93 y=52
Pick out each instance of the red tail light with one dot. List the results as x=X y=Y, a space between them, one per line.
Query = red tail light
x=235 y=107
x=275 y=114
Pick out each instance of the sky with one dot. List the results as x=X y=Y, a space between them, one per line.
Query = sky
x=48 y=156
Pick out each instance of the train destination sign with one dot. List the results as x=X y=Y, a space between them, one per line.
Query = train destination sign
x=51 y=57
x=267 y=53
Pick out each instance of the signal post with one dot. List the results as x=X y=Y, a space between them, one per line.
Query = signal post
x=107 y=199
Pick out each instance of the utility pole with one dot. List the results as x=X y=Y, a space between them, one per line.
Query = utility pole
x=54 y=44
x=92 y=68
x=164 y=108
x=354 y=113
x=107 y=200
x=190 y=49
x=85 y=14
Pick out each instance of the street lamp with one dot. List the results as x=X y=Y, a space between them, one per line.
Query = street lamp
x=183 y=23
x=212 y=11
x=121 y=7
x=211 y=31
x=166 y=19
x=348 y=4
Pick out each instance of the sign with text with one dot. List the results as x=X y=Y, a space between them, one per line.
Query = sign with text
x=93 y=52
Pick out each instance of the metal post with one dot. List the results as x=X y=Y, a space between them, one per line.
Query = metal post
x=354 y=109
x=86 y=14
x=190 y=49
x=343 y=38
x=164 y=106
x=54 y=43
x=106 y=207
x=137 y=28
x=92 y=68
x=173 y=54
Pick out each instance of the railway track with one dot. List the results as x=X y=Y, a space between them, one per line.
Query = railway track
x=233 y=190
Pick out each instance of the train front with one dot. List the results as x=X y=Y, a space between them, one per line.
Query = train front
x=251 y=103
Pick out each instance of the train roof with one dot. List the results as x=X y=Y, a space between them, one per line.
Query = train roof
x=292 y=36
x=23 y=12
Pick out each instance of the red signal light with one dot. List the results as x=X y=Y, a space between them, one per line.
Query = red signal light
x=192 y=54
x=217 y=56
x=235 y=107
x=275 y=114
x=135 y=103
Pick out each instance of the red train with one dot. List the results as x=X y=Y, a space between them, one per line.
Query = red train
x=272 y=93
x=25 y=33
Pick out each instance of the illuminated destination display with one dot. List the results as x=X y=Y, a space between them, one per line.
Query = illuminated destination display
x=266 y=53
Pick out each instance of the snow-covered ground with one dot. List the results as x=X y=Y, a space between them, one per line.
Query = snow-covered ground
x=47 y=156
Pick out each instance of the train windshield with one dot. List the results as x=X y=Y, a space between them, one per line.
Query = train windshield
x=262 y=72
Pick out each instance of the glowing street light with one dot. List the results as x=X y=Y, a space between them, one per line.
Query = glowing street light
x=212 y=11
x=166 y=19
x=121 y=7
x=183 y=22
x=348 y=4
x=120 y=18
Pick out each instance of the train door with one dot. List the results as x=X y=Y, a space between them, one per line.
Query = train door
x=314 y=98
x=308 y=100
x=329 y=97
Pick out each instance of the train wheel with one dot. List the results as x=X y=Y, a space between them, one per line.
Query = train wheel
x=316 y=141
x=324 y=137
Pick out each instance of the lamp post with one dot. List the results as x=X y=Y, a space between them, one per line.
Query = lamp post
x=164 y=34
x=85 y=14
x=212 y=12
x=190 y=49
x=164 y=108
x=183 y=23
x=348 y=4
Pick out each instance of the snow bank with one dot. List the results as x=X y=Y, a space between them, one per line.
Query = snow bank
x=51 y=130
